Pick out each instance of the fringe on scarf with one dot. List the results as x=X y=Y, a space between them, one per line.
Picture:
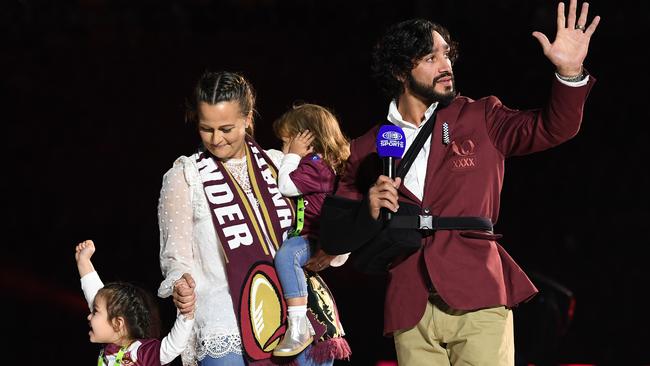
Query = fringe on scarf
x=333 y=348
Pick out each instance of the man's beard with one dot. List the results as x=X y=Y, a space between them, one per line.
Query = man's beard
x=428 y=93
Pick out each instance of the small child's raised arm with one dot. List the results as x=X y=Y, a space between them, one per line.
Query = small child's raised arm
x=83 y=252
x=90 y=281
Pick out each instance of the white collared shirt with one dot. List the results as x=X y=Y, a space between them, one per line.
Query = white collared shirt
x=414 y=179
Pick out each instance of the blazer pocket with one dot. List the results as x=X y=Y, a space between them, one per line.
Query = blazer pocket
x=476 y=234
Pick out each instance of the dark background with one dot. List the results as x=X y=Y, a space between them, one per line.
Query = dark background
x=92 y=116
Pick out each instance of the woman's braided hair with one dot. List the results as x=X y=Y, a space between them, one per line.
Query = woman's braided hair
x=222 y=86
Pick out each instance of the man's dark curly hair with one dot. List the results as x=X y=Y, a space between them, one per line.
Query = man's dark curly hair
x=398 y=50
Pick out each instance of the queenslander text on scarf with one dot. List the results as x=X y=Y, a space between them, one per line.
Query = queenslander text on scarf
x=249 y=242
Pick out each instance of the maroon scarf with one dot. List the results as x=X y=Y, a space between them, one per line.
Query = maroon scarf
x=249 y=244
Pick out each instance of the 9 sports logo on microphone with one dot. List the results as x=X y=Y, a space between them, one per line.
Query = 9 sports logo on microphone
x=390 y=141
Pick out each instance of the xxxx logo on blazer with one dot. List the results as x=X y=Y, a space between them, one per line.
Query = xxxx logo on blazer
x=464 y=155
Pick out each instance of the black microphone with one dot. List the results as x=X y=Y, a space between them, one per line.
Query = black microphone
x=390 y=145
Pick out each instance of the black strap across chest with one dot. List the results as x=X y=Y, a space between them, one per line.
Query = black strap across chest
x=434 y=223
x=416 y=146
x=427 y=221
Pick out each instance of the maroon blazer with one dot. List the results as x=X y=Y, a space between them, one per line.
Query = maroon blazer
x=469 y=269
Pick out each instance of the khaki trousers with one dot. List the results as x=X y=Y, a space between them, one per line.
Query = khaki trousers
x=445 y=336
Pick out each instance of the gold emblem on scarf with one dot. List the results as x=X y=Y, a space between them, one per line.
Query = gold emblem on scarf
x=265 y=310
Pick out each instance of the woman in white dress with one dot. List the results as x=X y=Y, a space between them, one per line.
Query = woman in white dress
x=221 y=220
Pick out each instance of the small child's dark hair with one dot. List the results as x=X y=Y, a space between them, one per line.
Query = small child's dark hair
x=135 y=305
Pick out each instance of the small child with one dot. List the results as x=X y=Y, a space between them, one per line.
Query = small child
x=316 y=151
x=122 y=316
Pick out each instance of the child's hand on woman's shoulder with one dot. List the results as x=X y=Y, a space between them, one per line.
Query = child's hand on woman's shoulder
x=84 y=250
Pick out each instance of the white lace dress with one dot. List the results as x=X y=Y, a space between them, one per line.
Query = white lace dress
x=188 y=243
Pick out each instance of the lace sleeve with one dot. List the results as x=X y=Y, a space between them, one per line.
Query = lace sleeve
x=188 y=357
x=175 y=223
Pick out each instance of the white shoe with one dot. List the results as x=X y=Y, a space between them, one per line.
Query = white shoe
x=298 y=336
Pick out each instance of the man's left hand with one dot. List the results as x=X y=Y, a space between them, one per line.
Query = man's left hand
x=571 y=44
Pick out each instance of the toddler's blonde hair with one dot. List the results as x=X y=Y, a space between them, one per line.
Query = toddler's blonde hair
x=329 y=141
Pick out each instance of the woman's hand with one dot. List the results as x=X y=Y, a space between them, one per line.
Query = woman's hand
x=184 y=297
